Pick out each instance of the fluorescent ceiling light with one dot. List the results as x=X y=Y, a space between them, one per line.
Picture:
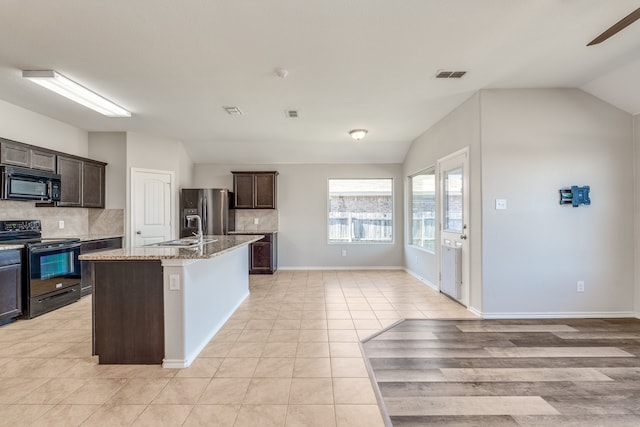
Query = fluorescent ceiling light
x=61 y=85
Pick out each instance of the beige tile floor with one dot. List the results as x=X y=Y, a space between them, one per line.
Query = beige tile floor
x=289 y=356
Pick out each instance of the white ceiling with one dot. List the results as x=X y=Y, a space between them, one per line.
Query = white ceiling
x=351 y=63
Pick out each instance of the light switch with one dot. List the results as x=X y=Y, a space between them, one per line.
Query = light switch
x=501 y=204
x=174 y=282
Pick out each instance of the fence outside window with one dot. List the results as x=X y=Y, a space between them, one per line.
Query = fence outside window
x=360 y=211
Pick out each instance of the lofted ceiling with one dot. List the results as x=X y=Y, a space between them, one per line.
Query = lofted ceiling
x=351 y=64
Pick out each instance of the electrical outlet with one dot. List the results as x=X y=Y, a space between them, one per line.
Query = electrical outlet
x=501 y=204
x=344 y=252
x=174 y=282
x=61 y=224
x=580 y=286
x=256 y=221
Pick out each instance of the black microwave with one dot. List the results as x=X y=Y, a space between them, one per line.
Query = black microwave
x=29 y=184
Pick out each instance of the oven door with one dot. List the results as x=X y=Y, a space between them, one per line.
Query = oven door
x=53 y=268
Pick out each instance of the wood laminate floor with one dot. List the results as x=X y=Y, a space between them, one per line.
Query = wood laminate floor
x=564 y=372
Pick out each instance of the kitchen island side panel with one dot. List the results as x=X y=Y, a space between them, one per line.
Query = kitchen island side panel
x=128 y=312
x=209 y=292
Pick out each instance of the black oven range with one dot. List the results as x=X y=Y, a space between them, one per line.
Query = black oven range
x=50 y=267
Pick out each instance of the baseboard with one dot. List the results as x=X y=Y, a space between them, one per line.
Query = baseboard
x=560 y=315
x=175 y=363
x=325 y=268
x=422 y=279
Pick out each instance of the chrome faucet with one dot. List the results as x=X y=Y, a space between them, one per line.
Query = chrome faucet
x=198 y=234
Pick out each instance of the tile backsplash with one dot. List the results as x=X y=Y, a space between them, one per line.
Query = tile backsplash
x=77 y=221
x=267 y=219
x=106 y=221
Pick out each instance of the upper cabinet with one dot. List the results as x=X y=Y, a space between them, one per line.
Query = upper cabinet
x=70 y=170
x=82 y=182
x=93 y=184
x=255 y=190
x=13 y=153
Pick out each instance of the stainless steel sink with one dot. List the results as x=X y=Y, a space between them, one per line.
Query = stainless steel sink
x=183 y=243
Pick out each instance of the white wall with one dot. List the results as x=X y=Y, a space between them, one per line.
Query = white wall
x=459 y=129
x=111 y=147
x=150 y=152
x=535 y=142
x=28 y=127
x=302 y=207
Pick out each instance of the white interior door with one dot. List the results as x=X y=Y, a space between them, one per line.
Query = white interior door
x=454 y=229
x=151 y=206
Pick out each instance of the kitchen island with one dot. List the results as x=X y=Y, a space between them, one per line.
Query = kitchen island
x=157 y=304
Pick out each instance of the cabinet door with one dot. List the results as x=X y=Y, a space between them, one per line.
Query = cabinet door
x=265 y=191
x=260 y=257
x=43 y=160
x=92 y=185
x=15 y=154
x=10 y=291
x=243 y=190
x=70 y=170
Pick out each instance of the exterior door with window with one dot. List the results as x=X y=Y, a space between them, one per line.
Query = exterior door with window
x=151 y=206
x=454 y=234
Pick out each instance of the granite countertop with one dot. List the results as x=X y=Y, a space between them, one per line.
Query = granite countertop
x=8 y=247
x=145 y=253
x=249 y=232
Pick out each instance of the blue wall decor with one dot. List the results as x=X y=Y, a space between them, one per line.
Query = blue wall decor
x=575 y=196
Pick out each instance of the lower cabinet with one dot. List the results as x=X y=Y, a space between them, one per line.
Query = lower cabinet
x=263 y=255
x=10 y=285
x=86 y=281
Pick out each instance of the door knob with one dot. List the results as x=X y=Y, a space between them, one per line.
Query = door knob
x=138 y=232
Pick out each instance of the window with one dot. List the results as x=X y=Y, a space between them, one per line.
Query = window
x=361 y=210
x=423 y=209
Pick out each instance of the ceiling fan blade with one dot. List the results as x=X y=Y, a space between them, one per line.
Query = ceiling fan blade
x=618 y=26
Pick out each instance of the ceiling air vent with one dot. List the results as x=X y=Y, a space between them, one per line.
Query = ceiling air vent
x=233 y=111
x=292 y=114
x=450 y=74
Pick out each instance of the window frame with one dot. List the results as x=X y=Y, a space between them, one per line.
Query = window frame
x=359 y=242
x=431 y=170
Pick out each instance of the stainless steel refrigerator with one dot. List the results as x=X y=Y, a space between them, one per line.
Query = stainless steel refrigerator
x=213 y=205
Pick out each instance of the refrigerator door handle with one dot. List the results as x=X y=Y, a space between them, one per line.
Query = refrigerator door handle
x=205 y=219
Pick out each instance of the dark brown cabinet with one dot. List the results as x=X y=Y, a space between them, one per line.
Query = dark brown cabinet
x=255 y=190
x=93 y=185
x=70 y=170
x=82 y=182
x=17 y=154
x=263 y=254
x=128 y=312
x=10 y=285
x=86 y=267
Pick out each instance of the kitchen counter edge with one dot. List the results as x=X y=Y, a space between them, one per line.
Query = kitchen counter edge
x=146 y=253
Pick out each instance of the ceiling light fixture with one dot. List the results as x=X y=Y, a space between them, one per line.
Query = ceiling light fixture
x=282 y=73
x=62 y=85
x=233 y=110
x=358 y=134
